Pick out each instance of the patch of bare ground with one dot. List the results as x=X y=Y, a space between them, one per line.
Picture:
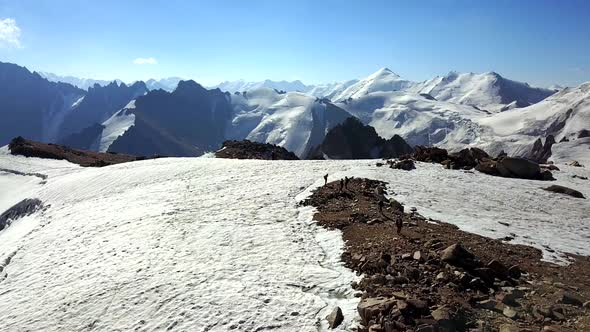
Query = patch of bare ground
x=434 y=277
x=28 y=148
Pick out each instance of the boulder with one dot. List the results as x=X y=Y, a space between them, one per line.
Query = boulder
x=430 y=154
x=466 y=158
x=514 y=167
x=565 y=190
x=575 y=163
x=487 y=166
x=335 y=318
x=514 y=271
x=457 y=255
x=571 y=298
x=499 y=269
x=406 y=165
x=370 y=308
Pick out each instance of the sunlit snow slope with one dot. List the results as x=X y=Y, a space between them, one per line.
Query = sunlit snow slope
x=293 y=120
x=204 y=244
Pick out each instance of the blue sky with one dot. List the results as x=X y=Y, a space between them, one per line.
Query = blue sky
x=540 y=42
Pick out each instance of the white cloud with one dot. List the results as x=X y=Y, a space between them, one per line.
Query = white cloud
x=145 y=61
x=9 y=33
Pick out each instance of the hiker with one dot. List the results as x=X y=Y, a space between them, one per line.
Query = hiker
x=325 y=179
x=398 y=224
x=341 y=184
x=346 y=180
x=381 y=203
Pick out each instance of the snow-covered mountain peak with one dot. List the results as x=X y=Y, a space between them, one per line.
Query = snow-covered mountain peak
x=383 y=80
x=383 y=72
x=489 y=91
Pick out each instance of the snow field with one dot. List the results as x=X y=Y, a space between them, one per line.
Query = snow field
x=204 y=244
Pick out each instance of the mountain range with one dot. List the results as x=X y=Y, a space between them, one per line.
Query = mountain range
x=182 y=118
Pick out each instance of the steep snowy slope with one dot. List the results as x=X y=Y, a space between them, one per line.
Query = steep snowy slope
x=564 y=115
x=382 y=80
x=488 y=91
x=116 y=126
x=205 y=244
x=330 y=90
x=99 y=104
x=293 y=120
x=419 y=119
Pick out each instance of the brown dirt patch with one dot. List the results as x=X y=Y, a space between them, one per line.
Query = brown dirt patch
x=453 y=295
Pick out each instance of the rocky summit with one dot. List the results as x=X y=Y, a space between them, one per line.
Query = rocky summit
x=251 y=150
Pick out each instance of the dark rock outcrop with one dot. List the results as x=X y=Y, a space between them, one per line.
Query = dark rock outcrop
x=30 y=105
x=429 y=154
x=406 y=164
x=511 y=167
x=540 y=152
x=253 y=150
x=27 y=148
x=99 y=103
x=186 y=122
x=354 y=140
x=85 y=139
x=335 y=318
x=20 y=209
x=464 y=159
x=565 y=190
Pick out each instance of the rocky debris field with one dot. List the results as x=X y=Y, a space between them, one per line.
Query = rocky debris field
x=28 y=148
x=432 y=276
x=469 y=158
x=252 y=150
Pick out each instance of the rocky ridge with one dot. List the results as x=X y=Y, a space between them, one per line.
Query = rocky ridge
x=434 y=277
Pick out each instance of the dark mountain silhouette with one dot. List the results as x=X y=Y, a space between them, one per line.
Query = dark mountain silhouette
x=354 y=140
x=30 y=105
x=99 y=103
x=186 y=122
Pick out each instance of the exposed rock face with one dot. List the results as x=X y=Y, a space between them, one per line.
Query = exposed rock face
x=430 y=154
x=99 y=103
x=21 y=209
x=354 y=140
x=29 y=104
x=85 y=139
x=465 y=159
x=510 y=167
x=565 y=190
x=193 y=123
x=540 y=152
x=252 y=150
x=23 y=147
x=514 y=168
x=406 y=164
